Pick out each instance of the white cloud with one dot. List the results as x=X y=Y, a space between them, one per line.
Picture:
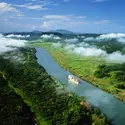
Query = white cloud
x=25 y=18
x=83 y=44
x=61 y=24
x=51 y=36
x=100 y=0
x=36 y=7
x=70 y=47
x=102 y=22
x=89 y=39
x=5 y=7
x=45 y=36
x=56 y=37
x=61 y=21
x=56 y=45
x=17 y=36
x=86 y=50
x=51 y=24
x=8 y=44
x=64 y=17
x=56 y=17
x=120 y=37
x=89 y=51
x=81 y=36
x=71 y=41
x=7 y=11
x=81 y=17
x=116 y=56
x=122 y=40
x=112 y=35
x=32 y=6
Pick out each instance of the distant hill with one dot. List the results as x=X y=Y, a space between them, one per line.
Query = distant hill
x=36 y=31
x=62 y=31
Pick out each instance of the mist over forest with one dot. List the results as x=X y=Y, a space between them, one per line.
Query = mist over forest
x=109 y=46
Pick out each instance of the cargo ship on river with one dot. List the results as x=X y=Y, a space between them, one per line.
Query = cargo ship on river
x=73 y=80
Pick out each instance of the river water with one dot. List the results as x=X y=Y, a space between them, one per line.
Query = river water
x=109 y=105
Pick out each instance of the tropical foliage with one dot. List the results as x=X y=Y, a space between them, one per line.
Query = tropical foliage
x=52 y=105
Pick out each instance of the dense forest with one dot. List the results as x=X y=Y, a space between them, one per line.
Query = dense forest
x=116 y=73
x=13 y=111
x=52 y=105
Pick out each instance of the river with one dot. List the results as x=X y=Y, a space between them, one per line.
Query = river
x=113 y=108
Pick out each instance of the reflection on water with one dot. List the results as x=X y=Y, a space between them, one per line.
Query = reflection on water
x=113 y=108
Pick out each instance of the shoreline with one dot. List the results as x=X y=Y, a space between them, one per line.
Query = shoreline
x=81 y=98
x=84 y=79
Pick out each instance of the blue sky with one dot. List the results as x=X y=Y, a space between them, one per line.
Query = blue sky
x=85 y=16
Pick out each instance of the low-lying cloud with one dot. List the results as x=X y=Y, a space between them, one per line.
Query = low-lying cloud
x=15 y=55
x=89 y=51
x=83 y=44
x=45 y=36
x=116 y=56
x=120 y=37
x=81 y=36
x=56 y=45
x=51 y=36
x=17 y=36
x=70 y=47
x=90 y=39
x=86 y=50
x=71 y=41
x=112 y=35
x=56 y=38
x=9 y=44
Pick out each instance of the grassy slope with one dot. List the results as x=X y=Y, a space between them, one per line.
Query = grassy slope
x=83 y=67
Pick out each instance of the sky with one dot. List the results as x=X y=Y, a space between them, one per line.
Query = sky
x=81 y=16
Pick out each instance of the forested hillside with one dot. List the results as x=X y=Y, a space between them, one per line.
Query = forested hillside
x=51 y=104
x=13 y=111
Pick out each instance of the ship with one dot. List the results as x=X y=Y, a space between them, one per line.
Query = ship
x=73 y=80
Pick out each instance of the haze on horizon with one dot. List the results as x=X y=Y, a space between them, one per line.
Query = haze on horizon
x=85 y=16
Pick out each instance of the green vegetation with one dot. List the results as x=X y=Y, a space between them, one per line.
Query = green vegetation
x=116 y=73
x=109 y=45
x=51 y=103
x=12 y=108
x=111 y=79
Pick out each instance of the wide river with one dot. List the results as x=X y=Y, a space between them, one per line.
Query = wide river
x=109 y=105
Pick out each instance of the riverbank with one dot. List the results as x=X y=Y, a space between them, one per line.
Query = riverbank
x=84 y=68
x=51 y=104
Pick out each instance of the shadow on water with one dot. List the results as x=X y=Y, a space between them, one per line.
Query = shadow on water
x=113 y=108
